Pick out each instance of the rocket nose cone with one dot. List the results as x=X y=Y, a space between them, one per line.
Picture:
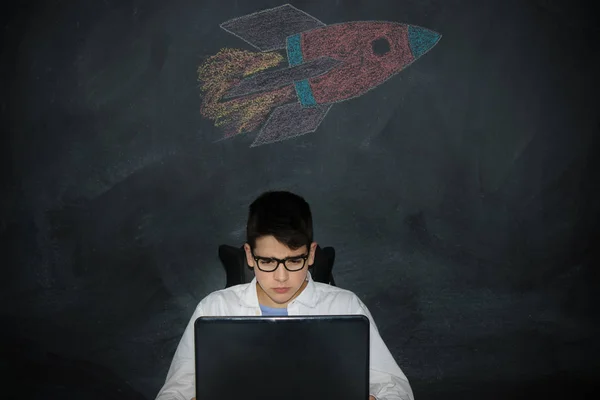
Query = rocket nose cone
x=421 y=40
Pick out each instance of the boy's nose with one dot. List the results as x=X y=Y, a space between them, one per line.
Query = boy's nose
x=281 y=274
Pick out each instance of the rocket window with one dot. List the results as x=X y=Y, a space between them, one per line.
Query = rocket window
x=380 y=46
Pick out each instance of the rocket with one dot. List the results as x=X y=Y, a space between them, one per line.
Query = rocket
x=326 y=64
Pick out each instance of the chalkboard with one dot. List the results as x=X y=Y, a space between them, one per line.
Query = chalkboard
x=456 y=180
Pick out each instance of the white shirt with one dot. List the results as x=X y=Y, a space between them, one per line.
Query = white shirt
x=386 y=379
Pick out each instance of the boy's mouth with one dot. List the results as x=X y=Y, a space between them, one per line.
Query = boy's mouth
x=281 y=290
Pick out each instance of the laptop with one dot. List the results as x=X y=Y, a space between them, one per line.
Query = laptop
x=288 y=357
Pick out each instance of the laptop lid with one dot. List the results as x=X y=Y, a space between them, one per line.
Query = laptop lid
x=288 y=357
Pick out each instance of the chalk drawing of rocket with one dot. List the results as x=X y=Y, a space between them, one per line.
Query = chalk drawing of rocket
x=243 y=91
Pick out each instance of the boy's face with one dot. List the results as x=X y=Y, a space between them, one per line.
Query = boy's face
x=278 y=288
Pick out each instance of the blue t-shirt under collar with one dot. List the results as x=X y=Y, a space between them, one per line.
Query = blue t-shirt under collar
x=273 y=311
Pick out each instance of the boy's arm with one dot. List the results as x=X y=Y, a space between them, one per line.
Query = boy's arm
x=180 y=382
x=386 y=379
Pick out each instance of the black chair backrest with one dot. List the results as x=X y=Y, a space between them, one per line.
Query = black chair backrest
x=237 y=270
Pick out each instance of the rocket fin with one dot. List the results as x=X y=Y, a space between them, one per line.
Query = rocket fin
x=269 y=80
x=291 y=120
x=267 y=30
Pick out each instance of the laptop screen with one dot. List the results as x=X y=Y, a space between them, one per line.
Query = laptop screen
x=291 y=357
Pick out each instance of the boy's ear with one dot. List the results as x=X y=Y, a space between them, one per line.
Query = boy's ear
x=249 y=259
x=311 y=253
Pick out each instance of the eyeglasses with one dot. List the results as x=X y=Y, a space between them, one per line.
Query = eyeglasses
x=270 y=264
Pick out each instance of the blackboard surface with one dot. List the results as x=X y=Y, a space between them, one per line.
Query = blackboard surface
x=460 y=194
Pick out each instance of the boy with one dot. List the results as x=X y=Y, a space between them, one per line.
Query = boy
x=280 y=249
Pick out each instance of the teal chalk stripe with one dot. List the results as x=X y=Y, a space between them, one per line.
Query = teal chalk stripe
x=305 y=93
x=303 y=89
x=293 y=50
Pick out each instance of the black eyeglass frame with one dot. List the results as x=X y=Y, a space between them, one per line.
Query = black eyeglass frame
x=304 y=257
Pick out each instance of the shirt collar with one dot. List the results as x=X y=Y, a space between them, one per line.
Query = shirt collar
x=308 y=296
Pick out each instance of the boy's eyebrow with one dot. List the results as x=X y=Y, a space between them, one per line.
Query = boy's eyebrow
x=296 y=256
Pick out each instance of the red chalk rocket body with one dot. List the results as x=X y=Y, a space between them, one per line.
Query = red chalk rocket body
x=370 y=52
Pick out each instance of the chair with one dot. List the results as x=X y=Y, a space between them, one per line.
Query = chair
x=237 y=270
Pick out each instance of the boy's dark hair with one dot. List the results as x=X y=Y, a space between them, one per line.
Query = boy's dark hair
x=281 y=214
